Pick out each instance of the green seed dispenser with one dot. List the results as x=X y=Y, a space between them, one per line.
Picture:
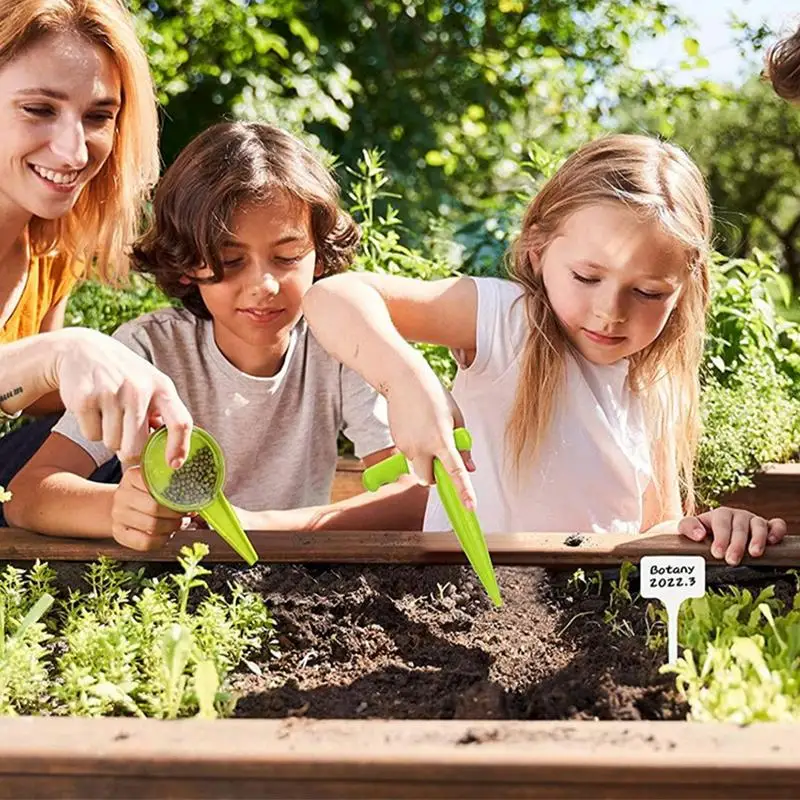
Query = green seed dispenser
x=196 y=486
x=465 y=523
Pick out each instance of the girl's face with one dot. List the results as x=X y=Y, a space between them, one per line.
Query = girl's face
x=270 y=263
x=613 y=280
x=59 y=101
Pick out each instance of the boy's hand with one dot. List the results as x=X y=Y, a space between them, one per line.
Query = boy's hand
x=732 y=529
x=137 y=520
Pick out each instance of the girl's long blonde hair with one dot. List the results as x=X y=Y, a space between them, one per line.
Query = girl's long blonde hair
x=105 y=220
x=660 y=182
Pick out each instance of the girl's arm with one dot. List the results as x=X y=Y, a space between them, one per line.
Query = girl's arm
x=112 y=391
x=399 y=506
x=734 y=531
x=364 y=320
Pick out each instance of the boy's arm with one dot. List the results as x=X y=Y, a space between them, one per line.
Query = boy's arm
x=364 y=319
x=51 y=494
x=397 y=507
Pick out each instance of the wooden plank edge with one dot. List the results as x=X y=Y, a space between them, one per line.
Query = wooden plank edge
x=394 y=547
x=466 y=751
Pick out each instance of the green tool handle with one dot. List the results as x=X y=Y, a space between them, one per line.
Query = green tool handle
x=390 y=469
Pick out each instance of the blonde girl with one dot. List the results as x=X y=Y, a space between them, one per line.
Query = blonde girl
x=78 y=156
x=578 y=377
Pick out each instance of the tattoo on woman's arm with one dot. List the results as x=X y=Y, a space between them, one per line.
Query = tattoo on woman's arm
x=11 y=393
x=383 y=388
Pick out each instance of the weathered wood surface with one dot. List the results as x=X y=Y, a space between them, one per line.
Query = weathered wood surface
x=70 y=757
x=392 y=547
x=347 y=481
x=776 y=494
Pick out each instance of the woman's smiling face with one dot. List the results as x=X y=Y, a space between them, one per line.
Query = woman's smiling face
x=59 y=101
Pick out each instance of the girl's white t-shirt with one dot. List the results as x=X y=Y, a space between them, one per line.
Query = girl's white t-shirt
x=590 y=472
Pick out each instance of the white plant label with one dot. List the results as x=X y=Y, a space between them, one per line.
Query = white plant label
x=671 y=579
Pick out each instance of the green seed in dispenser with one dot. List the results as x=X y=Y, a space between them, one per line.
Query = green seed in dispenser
x=196 y=486
x=194 y=482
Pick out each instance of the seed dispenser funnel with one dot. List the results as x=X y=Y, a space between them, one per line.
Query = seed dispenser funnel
x=196 y=486
x=465 y=523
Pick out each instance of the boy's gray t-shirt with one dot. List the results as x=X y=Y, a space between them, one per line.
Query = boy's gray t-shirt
x=278 y=434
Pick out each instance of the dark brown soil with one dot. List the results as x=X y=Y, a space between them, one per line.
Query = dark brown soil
x=426 y=643
x=403 y=642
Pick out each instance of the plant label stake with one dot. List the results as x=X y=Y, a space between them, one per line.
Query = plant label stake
x=196 y=486
x=672 y=579
x=465 y=523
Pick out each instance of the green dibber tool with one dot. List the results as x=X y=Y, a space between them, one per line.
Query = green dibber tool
x=196 y=486
x=465 y=523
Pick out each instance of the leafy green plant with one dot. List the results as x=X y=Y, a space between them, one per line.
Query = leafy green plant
x=620 y=599
x=740 y=652
x=744 y=324
x=93 y=305
x=750 y=400
x=741 y=657
x=24 y=599
x=128 y=645
x=748 y=420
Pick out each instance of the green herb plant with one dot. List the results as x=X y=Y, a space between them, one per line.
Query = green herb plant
x=740 y=652
x=159 y=647
x=620 y=599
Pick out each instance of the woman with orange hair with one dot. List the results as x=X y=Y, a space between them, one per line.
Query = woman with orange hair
x=78 y=156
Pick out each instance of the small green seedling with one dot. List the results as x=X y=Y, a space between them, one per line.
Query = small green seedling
x=196 y=486
x=465 y=523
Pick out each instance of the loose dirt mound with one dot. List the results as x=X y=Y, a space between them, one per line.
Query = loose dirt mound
x=426 y=643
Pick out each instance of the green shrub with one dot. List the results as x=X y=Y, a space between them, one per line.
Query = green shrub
x=745 y=325
x=382 y=246
x=750 y=400
x=93 y=305
x=748 y=420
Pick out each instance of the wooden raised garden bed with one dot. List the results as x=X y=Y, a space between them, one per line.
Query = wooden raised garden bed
x=399 y=680
x=59 y=758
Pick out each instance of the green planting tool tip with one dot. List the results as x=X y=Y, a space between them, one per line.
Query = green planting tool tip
x=196 y=486
x=465 y=523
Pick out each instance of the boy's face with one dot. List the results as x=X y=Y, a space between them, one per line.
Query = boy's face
x=612 y=280
x=270 y=262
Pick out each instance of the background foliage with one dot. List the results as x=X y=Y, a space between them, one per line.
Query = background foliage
x=443 y=118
